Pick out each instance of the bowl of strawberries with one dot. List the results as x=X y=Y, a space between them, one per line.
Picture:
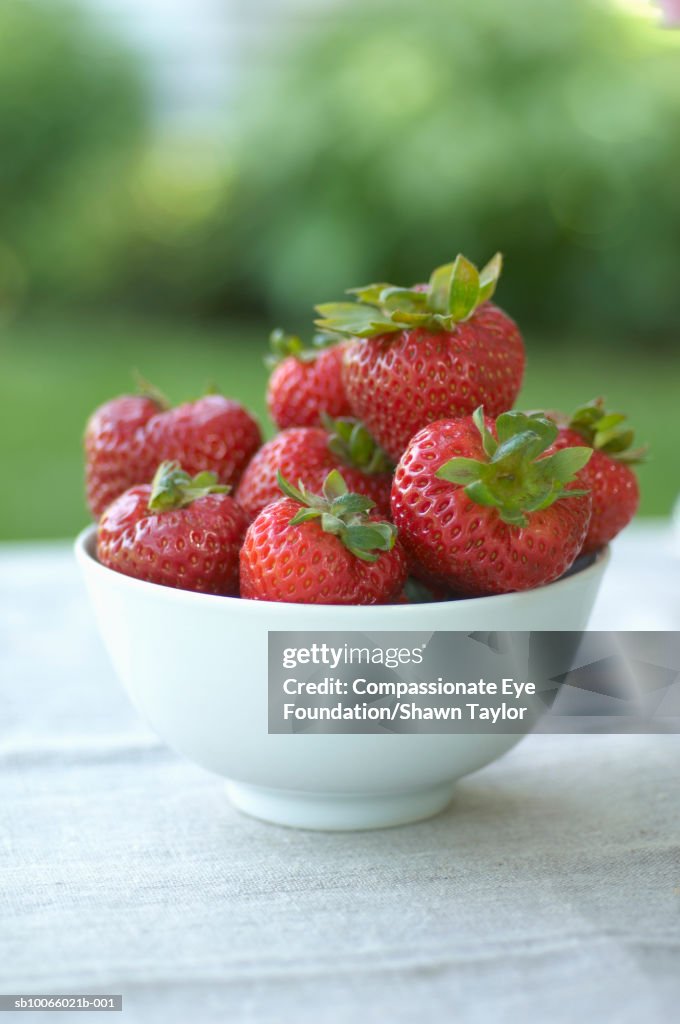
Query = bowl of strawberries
x=402 y=492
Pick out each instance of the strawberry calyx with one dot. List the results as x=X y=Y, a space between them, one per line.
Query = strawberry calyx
x=605 y=432
x=512 y=477
x=342 y=514
x=285 y=345
x=351 y=442
x=172 y=487
x=453 y=293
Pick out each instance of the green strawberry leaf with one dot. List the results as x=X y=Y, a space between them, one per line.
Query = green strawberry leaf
x=354 y=319
x=522 y=443
x=331 y=524
x=482 y=494
x=441 y=280
x=361 y=445
x=348 y=505
x=334 y=486
x=562 y=466
x=368 y=293
x=342 y=514
x=609 y=421
x=488 y=277
x=305 y=515
x=284 y=345
x=377 y=536
x=172 y=487
x=351 y=442
x=407 y=319
x=364 y=541
x=464 y=294
x=454 y=292
x=632 y=456
x=512 y=477
x=613 y=440
x=404 y=300
x=288 y=489
x=460 y=470
x=604 y=431
x=511 y=423
x=489 y=442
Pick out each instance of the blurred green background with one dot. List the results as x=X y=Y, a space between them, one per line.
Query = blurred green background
x=167 y=194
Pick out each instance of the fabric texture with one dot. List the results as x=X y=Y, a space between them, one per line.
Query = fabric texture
x=549 y=890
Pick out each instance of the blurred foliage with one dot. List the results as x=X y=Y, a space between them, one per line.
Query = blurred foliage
x=376 y=143
x=395 y=135
x=72 y=119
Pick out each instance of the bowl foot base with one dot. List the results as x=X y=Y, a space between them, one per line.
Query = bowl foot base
x=337 y=812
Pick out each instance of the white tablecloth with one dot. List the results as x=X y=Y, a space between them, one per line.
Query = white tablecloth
x=549 y=891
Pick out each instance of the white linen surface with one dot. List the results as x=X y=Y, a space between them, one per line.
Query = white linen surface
x=549 y=891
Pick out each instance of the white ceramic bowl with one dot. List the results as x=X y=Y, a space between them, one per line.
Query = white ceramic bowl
x=195 y=666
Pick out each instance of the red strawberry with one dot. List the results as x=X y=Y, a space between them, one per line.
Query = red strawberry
x=321 y=549
x=213 y=433
x=309 y=454
x=178 y=531
x=305 y=383
x=488 y=507
x=427 y=353
x=116 y=453
x=612 y=482
x=127 y=438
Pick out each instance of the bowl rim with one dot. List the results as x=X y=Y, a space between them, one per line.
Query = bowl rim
x=87 y=559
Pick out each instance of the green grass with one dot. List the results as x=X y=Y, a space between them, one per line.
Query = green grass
x=54 y=372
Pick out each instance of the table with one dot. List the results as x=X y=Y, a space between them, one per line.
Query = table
x=550 y=890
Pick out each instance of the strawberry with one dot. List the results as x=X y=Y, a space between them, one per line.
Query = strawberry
x=432 y=352
x=491 y=507
x=612 y=482
x=116 y=453
x=305 y=383
x=127 y=438
x=321 y=549
x=213 y=433
x=309 y=454
x=177 y=531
